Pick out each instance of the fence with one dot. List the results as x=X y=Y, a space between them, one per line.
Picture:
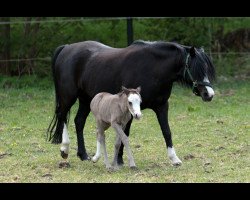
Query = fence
x=34 y=40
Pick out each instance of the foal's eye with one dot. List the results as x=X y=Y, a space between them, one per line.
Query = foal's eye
x=130 y=103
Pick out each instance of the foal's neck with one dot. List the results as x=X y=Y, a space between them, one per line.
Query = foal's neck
x=123 y=102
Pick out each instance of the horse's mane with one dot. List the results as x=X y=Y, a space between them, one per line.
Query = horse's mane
x=198 y=69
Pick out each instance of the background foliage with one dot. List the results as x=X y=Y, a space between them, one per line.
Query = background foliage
x=226 y=39
x=212 y=139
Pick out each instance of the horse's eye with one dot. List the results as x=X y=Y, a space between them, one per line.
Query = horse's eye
x=130 y=103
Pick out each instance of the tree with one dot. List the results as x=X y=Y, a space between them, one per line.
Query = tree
x=5 y=44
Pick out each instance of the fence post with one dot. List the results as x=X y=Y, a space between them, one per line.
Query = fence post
x=129 y=30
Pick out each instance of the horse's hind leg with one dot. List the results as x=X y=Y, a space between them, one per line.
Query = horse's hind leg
x=80 y=120
x=65 y=143
x=62 y=121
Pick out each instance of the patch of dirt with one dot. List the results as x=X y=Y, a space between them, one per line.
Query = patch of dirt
x=207 y=163
x=137 y=146
x=64 y=164
x=219 y=121
x=189 y=157
x=219 y=148
x=181 y=117
x=229 y=92
x=2 y=155
x=47 y=175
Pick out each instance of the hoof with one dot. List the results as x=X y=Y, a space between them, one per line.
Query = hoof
x=120 y=161
x=64 y=155
x=110 y=169
x=94 y=159
x=115 y=166
x=134 y=168
x=83 y=156
x=177 y=163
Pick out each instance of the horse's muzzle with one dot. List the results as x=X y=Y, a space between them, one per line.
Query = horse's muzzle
x=206 y=97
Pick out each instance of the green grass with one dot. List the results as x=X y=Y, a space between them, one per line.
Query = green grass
x=212 y=139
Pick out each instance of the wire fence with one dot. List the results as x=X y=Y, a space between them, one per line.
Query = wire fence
x=34 y=63
x=49 y=58
x=82 y=19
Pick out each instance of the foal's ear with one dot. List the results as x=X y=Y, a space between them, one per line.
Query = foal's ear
x=192 y=51
x=138 y=89
x=125 y=90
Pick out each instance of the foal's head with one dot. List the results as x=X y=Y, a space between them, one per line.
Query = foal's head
x=134 y=101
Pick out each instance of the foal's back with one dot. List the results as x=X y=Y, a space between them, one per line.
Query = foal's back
x=108 y=107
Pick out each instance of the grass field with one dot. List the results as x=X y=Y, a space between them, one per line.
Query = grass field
x=212 y=139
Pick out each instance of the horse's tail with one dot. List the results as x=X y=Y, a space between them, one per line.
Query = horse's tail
x=57 y=121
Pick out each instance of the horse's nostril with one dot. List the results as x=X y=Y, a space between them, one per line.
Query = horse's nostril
x=205 y=94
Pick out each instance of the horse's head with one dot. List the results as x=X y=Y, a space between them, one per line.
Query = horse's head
x=198 y=72
x=134 y=101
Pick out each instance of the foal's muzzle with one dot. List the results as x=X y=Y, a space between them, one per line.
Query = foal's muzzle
x=137 y=116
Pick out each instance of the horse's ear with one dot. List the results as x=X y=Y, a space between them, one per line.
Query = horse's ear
x=125 y=90
x=202 y=50
x=138 y=89
x=192 y=51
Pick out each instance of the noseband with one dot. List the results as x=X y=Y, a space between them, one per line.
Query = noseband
x=195 y=82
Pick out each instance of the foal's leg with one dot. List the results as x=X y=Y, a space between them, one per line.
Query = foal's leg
x=80 y=119
x=162 y=116
x=120 y=154
x=106 y=160
x=117 y=147
x=101 y=142
x=98 y=146
x=125 y=141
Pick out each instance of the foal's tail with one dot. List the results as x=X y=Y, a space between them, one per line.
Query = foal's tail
x=57 y=122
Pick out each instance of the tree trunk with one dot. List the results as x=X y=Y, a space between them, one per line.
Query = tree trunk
x=6 y=46
x=33 y=51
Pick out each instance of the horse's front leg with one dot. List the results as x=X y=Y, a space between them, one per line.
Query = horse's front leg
x=162 y=116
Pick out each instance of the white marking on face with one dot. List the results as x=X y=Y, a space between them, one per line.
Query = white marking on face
x=65 y=140
x=210 y=90
x=173 y=157
x=98 y=152
x=135 y=101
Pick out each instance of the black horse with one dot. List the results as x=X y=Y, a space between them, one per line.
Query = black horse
x=81 y=70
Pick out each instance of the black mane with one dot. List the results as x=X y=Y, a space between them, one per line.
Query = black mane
x=197 y=67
